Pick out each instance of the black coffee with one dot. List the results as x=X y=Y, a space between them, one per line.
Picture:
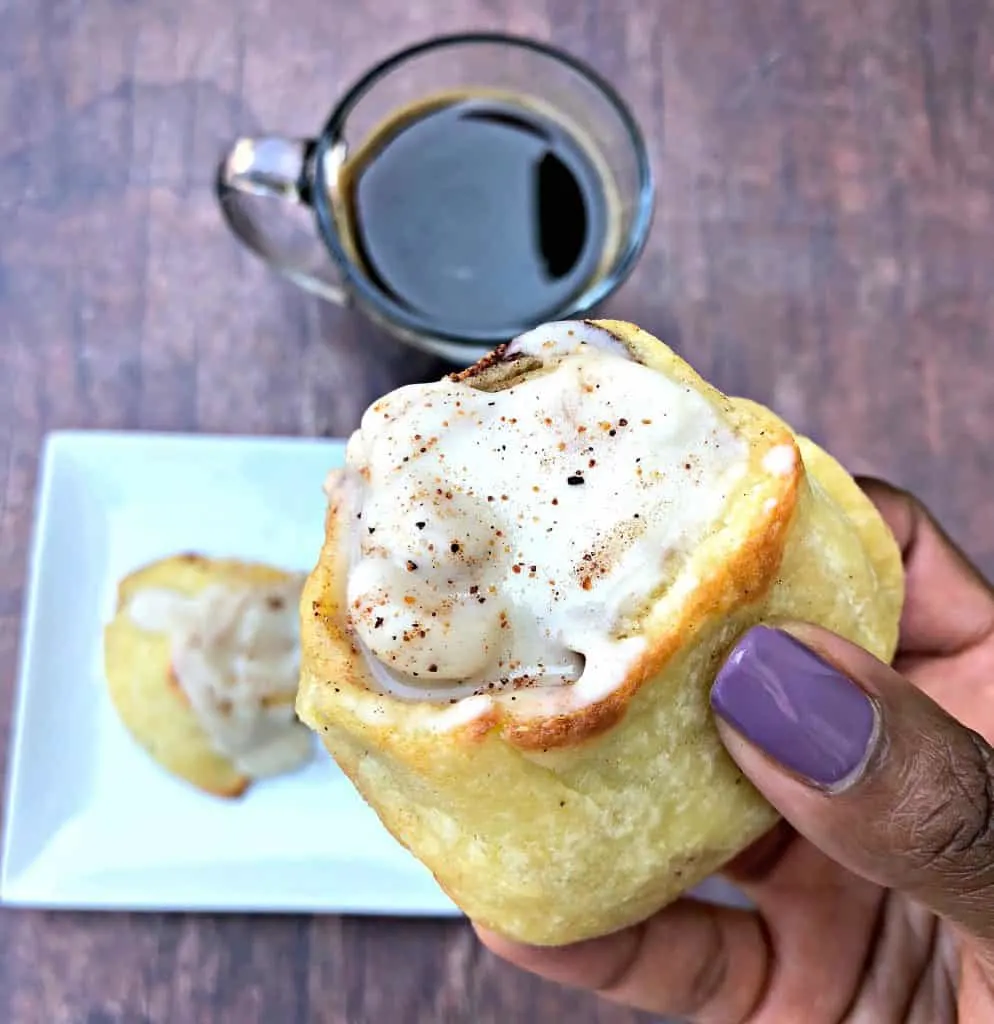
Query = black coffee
x=477 y=215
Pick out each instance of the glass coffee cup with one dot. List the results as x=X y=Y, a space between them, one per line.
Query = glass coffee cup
x=462 y=191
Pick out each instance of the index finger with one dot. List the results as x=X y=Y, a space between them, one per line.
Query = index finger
x=949 y=606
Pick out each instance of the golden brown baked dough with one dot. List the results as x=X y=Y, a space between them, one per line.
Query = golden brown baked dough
x=555 y=822
x=144 y=687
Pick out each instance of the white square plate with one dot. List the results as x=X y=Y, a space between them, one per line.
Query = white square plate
x=92 y=821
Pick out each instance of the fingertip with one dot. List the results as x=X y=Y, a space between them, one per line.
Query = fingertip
x=505 y=948
x=489 y=939
x=878 y=485
x=586 y=964
x=900 y=509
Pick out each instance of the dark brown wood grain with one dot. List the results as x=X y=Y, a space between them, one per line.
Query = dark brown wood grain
x=822 y=242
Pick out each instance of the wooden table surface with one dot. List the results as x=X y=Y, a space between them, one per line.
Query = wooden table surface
x=823 y=242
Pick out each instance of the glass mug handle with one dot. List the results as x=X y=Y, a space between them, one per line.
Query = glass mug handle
x=275 y=168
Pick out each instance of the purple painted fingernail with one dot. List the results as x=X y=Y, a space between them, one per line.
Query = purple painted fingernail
x=795 y=706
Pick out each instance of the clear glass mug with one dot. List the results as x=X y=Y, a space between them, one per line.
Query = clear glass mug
x=308 y=173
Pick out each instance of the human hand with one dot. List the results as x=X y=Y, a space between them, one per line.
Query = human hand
x=875 y=896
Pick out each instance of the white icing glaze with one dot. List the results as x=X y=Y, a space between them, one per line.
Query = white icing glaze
x=498 y=539
x=235 y=653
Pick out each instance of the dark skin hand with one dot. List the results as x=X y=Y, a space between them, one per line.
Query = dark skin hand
x=875 y=896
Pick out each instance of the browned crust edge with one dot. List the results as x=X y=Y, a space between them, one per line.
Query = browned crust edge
x=487 y=362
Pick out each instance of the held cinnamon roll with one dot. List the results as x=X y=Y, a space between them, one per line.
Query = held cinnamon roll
x=531 y=573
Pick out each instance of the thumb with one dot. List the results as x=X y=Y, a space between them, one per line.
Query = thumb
x=865 y=766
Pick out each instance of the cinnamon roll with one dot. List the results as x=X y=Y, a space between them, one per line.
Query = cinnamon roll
x=532 y=570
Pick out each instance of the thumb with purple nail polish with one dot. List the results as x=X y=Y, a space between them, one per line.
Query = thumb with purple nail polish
x=866 y=766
